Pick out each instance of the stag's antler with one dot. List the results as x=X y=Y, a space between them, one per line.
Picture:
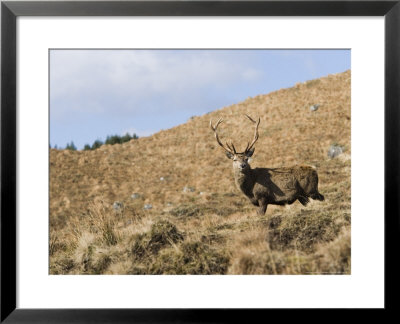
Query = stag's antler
x=249 y=146
x=214 y=128
x=230 y=147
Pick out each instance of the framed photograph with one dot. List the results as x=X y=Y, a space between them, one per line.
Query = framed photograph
x=120 y=125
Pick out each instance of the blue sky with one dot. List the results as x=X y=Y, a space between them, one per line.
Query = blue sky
x=95 y=93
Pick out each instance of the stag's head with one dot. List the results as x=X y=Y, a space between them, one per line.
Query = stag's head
x=240 y=159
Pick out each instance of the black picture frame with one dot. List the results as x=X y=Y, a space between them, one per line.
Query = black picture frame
x=10 y=10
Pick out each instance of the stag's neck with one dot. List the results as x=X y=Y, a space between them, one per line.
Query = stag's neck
x=244 y=181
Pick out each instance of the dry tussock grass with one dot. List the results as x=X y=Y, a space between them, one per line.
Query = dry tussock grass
x=212 y=228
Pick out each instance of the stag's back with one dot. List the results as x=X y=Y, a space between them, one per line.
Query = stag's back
x=282 y=185
x=304 y=175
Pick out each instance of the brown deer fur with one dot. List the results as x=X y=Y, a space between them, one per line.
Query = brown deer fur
x=275 y=186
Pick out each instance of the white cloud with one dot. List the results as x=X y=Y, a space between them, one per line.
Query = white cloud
x=96 y=80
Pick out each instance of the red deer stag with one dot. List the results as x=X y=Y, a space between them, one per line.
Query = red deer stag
x=264 y=186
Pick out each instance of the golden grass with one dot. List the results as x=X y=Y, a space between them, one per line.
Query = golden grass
x=212 y=229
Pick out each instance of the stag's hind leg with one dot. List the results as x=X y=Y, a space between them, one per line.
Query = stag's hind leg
x=318 y=196
x=303 y=200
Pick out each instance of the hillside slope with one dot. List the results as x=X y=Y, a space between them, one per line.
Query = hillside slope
x=100 y=215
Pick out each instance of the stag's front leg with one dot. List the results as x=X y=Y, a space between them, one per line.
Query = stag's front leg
x=263 y=207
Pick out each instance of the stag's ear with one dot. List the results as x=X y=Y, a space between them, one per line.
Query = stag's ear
x=229 y=155
x=250 y=152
